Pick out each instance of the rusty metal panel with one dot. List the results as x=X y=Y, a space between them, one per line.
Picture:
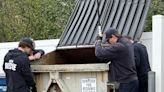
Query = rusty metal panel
x=69 y=56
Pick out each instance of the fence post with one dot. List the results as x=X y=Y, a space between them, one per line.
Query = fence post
x=158 y=52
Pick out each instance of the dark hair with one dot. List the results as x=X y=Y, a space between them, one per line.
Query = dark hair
x=24 y=44
x=128 y=37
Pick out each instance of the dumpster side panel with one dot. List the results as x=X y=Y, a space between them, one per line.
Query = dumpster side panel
x=71 y=81
x=71 y=78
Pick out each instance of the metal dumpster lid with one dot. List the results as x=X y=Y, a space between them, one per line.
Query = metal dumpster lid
x=127 y=16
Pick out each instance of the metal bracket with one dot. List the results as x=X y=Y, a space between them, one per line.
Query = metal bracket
x=55 y=78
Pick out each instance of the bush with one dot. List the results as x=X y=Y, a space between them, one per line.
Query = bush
x=40 y=19
x=156 y=7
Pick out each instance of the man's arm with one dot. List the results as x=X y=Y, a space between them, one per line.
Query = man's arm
x=144 y=56
x=36 y=54
x=38 y=51
x=108 y=52
x=3 y=66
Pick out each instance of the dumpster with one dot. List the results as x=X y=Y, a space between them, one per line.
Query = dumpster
x=71 y=77
x=3 y=84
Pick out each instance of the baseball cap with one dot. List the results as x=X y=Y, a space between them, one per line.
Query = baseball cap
x=29 y=41
x=110 y=32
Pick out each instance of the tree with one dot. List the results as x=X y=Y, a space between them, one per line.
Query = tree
x=45 y=19
x=40 y=19
x=156 y=7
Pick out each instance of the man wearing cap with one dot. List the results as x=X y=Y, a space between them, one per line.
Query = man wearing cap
x=16 y=66
x=35 y=53
x=121 y=54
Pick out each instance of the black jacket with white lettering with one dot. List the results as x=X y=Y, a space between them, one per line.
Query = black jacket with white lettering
x=122 y=67
x=19 y=78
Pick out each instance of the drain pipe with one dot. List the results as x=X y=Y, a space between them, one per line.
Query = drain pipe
x=151 y=81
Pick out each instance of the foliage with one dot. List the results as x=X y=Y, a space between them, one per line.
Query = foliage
x=40 y=19
x=45 y=19
x=156 y=8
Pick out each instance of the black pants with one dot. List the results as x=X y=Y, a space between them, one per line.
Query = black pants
x=143 y=83
x=129 y=87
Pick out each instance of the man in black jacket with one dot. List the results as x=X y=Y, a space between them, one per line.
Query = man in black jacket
x=142 y=64
x=121 y=54
x=16 y=66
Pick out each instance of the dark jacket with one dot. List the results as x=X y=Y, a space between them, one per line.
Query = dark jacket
x=38 y=51
x=141 y=59
x=122 y=67
x=18 y=73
